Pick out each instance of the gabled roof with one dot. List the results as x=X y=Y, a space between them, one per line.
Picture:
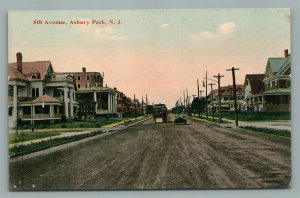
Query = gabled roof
x=276 y=63
x=226 y=90
x=45 y=99
x=256 y=82
x=29 y=68
x=285 y=65
x=13 y=73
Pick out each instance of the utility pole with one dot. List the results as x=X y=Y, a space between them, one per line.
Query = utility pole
x=234 y=94
x=206 y=96
x=219 y=95
x=143 y=105
x=193 y=109
x=199 y=102
x=187 y=98
x=212 y=100
x=134 y=106
x=184 y=102
x=198 y=98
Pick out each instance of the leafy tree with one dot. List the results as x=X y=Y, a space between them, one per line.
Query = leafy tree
x=198 y=105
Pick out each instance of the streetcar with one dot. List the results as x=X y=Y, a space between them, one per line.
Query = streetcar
x=160 y=113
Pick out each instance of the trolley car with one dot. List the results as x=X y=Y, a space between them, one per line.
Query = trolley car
x=160 y=113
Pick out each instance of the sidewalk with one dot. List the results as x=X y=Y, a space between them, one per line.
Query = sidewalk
x=274 y=124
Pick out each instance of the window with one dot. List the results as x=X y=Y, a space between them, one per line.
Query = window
x=35 y=92
x=288 y=84
x=41 y=110
x=78 y=77
x=78 y=86
x=90 y=84
x=56 y=93
x=273 y=84
x=10 y=91
x=87 y=77
x=33 y=77
x=26 y=110
x=10 y=110
x=86 y=85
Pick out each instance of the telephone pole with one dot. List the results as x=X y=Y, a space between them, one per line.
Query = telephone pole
x=184 y=100
x=193 y=109
x=134 y=106
x=234 y=95
x=187 y=98
x=198 y=102
x=219 y=95
x=143 y=105
x=206 y=96
x=212 y=100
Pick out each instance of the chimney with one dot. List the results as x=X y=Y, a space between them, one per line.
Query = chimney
x=83 y=69
x=286 y=53
x=19 y=62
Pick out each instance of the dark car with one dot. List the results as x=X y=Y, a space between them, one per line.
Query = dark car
x=180 y=119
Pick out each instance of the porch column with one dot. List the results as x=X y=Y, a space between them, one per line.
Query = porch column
x=32 y=114
x=109 y=101
x=116 y=96
x=15 y=104
x=95 y=100
x=66 y=102
x=112 y=102
x=51 y=111
x=71 y=103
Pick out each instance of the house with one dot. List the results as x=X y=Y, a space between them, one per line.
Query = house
x=93 y=99
x=271 y=91
x=227 y=98
x=253 y=88
x=38 y=94
x=277 y=81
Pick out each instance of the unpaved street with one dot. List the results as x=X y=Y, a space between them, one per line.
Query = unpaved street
x=160 y=156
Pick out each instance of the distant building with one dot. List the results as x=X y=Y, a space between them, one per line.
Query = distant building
x=227 y=98
x=93 y=99
x=38 y=94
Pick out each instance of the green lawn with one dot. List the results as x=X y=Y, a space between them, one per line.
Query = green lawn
x=25 y=136
x=258 y=116
x=284 y=133
x=30 y=148
x=78 y=124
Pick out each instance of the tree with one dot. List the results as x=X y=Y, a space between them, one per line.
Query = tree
x=198 y=105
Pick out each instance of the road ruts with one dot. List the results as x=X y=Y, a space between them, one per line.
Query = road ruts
x=161 y=156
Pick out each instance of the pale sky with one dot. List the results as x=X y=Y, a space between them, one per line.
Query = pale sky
x=154 y=52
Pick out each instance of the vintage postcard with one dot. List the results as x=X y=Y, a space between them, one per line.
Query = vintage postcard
x=149 y=99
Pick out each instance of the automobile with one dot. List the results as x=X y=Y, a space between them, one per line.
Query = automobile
x=180 y=119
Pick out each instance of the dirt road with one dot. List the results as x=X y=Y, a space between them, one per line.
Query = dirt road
x=161 y=156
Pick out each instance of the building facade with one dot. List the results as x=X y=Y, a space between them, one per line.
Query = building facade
x=253 y=88
x=271 y=91
x=277 y=81
x=227 y=98
x=93 y=99
x=38 y=94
